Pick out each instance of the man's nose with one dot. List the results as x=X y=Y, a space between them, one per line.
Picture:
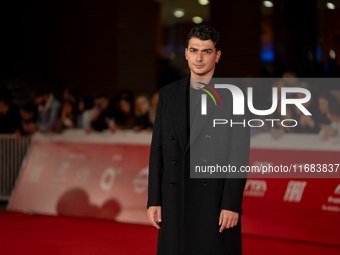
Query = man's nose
x=199 y=56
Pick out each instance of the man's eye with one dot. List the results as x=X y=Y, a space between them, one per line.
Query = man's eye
x=192 y=50
x=207 y=52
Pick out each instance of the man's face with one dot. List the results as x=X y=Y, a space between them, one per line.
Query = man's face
x=202 y=57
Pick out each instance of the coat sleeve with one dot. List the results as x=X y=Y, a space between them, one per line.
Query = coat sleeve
x=239 y=156
x=156 y=159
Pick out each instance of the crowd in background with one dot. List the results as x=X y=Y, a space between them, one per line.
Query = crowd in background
x=49 y=114
x=98 y=113
x=324 y=107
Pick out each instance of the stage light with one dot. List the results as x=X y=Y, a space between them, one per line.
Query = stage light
x=332 y=54
x=268 y=4
x=330 y=6
x=197 y=20
x=179 y=13
x=203 y=2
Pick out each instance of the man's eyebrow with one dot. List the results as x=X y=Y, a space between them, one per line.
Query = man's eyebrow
x=192 y=48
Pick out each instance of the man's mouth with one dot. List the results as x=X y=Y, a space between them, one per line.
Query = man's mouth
x=198 y=65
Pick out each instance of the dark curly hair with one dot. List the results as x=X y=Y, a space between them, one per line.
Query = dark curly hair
x=205 y=33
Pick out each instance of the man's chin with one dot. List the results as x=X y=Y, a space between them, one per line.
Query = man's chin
x=199 y=71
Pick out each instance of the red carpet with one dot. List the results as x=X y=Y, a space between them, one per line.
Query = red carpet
x=40 y=234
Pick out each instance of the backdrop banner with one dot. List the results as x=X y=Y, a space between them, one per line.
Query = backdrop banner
x=103 y=176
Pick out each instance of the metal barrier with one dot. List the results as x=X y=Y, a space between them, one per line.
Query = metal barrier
x=12 y=152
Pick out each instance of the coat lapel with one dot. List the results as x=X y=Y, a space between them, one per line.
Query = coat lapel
x=180 y=106
x=200 y=122
x=180 y=111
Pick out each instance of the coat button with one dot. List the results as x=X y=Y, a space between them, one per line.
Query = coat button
x=174 y=161
x=172 y=183
x=204 y=182
x=172 y=137
x=204 y=159
x=208 y=136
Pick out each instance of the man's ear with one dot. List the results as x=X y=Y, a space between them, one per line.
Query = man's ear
x=186 y=53
x=218 y=56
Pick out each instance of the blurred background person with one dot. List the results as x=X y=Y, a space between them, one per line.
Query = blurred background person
x=290 y=115
x=290 y=79
x=28 y=114
x=307 y=123
x=124 y=117
x=142 y=111
x=85 y=113
x=331 y=132
x=9 y=116
x=48 y=108
x=326 y=101
x=153 y=107
x=68 y=116
x=100 y=113
x=264 y=126
x=278 y=129
x=70 y=93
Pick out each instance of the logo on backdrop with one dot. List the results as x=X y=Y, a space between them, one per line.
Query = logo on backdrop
x=294 y=191
x=337 y=190
x=140 y=182
x=255 y=188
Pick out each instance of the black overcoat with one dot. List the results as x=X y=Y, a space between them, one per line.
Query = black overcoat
x=191 y=207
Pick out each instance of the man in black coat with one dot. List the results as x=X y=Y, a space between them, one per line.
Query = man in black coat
x=195 y=216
